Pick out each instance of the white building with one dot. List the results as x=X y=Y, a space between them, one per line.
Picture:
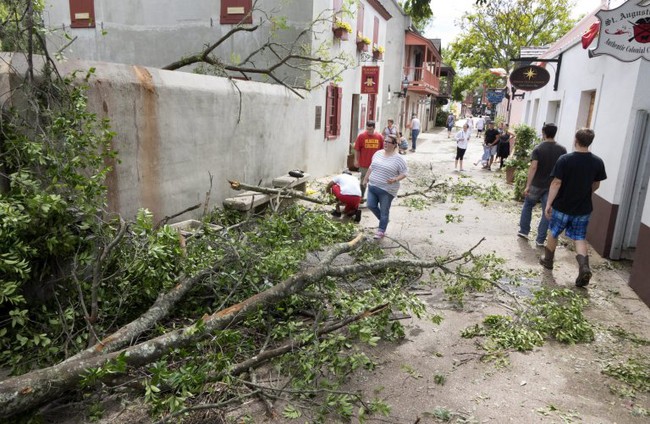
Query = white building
x=613 y=98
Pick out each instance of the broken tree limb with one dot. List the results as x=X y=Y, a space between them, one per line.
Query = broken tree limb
x=236 y=185
x=424 y=192
x=161 y=307
x=28 y=391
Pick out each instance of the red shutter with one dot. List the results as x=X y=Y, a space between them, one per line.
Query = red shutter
x=339 y=97
x=329 y=102
x=375 y=31
x=82 y=13
x=236 y=11
x=360 y=10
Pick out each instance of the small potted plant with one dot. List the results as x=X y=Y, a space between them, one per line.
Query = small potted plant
x=377 y=52
x=362 y=42
x=341 y=30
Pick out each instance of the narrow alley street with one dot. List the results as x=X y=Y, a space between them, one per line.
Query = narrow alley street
x=552 y=384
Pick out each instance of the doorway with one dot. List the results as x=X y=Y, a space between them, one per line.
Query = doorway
x=628 y=219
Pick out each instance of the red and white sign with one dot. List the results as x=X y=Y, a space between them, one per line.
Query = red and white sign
x=370 y=80
x=625 y=31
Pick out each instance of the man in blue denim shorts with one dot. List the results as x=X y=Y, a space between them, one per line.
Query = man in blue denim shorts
x=576 y=176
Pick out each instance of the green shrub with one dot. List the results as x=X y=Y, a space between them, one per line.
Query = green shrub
x=441 y=118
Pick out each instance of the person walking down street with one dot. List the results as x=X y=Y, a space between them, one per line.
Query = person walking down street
x=383 y=179
x=490 y=145
x=470 y=122
x=403 y=144
x=347 y=190
x=543 y=159
x=462 y=140
x=390 y=129
x=415 y=131
x=367 y=143
x=451 y=121
x=480 y=125
x=576 y=176
x=503 y=148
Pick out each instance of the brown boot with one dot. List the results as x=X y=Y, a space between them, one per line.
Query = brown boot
x=584 y=272
x=547 y=260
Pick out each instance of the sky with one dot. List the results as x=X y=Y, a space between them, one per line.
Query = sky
x=446 y=12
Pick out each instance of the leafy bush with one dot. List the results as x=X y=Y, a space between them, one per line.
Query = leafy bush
x=525 y=141
x=441 y=118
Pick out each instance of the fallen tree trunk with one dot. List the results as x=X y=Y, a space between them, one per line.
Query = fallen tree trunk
x=26 y=392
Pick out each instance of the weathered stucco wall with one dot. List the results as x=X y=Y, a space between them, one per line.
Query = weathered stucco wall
x=174 y=129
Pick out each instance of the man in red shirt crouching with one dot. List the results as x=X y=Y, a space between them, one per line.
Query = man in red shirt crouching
x=347 y=191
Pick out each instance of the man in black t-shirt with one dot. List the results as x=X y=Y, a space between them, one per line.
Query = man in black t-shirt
x=539 y=179
x=575 y=177
x=490 y=142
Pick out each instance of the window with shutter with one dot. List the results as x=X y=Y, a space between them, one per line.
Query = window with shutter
x=333 y=99
x=236 y=11
x=82 y=13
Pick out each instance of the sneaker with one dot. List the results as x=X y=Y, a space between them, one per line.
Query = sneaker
x=538 y=244
x=336 y=214
x=522 y=235
x=379 y=235
x=357 y=216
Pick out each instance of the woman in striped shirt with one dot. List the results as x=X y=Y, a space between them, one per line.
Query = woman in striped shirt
x=386 y=171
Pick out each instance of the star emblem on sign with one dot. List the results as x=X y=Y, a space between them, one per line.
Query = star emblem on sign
x=369 y=82
x=530 y=73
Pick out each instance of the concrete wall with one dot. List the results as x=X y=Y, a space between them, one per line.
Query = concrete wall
x=174 y=129
x=158 y=32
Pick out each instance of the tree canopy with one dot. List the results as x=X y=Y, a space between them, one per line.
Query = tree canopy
x=494 y=32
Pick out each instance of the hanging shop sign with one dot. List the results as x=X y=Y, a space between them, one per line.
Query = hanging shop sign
x=495 y=95
x=625 y=32
x=370 y=80
x=528 y=78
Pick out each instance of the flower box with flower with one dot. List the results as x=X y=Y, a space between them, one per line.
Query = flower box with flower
x=362 y=42
x=341 y=30
x=378 y=52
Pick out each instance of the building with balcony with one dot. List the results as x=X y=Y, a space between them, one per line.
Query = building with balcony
x=427 y=81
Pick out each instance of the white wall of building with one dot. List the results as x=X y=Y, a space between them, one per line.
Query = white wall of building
x=618 y=94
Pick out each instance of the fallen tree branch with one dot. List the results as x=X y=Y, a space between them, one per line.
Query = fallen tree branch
x=144 y=322
x=423 y=192
x=236 y=185
x=25 y=392
x=184 y=211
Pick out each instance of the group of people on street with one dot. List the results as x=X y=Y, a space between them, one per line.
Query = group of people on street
x=496 y=142
x=377 y=156
x=562 y=182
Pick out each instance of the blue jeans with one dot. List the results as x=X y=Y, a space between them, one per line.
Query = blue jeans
x=379 y=204
x=535 y=194
x=414 y=138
